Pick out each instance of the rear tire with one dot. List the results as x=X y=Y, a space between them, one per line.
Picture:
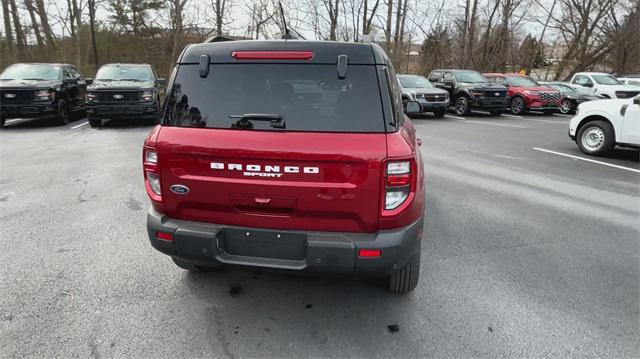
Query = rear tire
x=62 y=115
x=439 y=113
x=95 y=122
x=406 y=278
x=192 y=267
x=596 y=138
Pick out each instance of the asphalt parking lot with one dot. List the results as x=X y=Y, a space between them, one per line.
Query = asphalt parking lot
x=529 y=250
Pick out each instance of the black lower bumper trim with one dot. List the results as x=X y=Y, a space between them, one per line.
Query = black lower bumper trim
x=323 y=252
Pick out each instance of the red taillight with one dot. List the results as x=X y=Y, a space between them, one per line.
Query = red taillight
x=398 y=186
x=164 y=236
x=272 y=55
x=369 y=253
x=398 y=180
x=152 y=174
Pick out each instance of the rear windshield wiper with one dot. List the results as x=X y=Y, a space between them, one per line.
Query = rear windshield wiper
x=135 y=80
x=35 y=79
x=244 y=121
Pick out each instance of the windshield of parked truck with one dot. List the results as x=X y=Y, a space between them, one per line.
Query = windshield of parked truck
x=31 y=72
x=124 y=73
x=469 y=76
x=412 y=81
x=606 y=80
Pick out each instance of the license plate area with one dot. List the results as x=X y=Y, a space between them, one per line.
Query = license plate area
x=264 y=244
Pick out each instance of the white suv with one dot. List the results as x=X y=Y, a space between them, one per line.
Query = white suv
x=601 y=125
x=603 y=84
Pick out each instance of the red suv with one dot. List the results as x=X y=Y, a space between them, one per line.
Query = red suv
x=289 y=155
x=526 y=94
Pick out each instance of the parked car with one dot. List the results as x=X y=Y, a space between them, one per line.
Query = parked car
x=635 y=81
x=603 y=84
x=469 y=90
x=601 y=125
x=526 y=94
x=571 y=97
x=418 y=88
x=125 y=91
x=290 y=155
x=41 y=90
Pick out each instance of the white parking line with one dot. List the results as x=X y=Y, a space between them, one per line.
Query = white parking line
x=545 y=121
x=494 y=124
x=454 y=117
x=16 y=119
x=587 y=160
x=514 y=116
x=80 y=125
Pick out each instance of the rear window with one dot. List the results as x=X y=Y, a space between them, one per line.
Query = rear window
x=308 y=97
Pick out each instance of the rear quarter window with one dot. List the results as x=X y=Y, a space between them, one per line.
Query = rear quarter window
x=308 y=97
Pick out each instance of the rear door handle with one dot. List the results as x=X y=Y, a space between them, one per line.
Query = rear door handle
x=419 y=142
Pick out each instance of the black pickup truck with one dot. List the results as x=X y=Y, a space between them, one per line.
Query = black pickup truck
x=42 y=90
x=469 y=90
x=127 y=91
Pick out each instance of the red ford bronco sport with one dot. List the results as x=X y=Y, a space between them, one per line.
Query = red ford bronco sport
x=287 y=154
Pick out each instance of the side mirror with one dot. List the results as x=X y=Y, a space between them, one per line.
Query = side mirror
x=161 y=81
x=70 y=81
x=588 y=84
x=448 y=83
x=636 y=100
x=88 y=80
x=412 y=108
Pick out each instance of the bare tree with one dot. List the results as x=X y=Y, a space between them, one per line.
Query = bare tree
x=21 y=41
x=34 y=23
x=8 y=31
x=221 y=9
x=259 y=15
x=333 y=10
x=176 y=10
x=367 y=17
x=45 y=23
x=584 y=26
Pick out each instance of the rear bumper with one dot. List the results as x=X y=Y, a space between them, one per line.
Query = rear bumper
x=322 y=252
x=149 y=110
x=39 y=110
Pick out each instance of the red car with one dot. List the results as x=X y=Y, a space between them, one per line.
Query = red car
x=287 y=155
x=525 y=94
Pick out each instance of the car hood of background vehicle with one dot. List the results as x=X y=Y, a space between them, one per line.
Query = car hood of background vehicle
x=28 y=84
x=534 y=88
x=604 y=105
x=482 y=85
x=119 y=85
x=426 y=90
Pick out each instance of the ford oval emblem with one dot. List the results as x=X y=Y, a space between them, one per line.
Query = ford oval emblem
x=118 y=97
x=497 y=93
x=10 y=95
x=179 y=189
